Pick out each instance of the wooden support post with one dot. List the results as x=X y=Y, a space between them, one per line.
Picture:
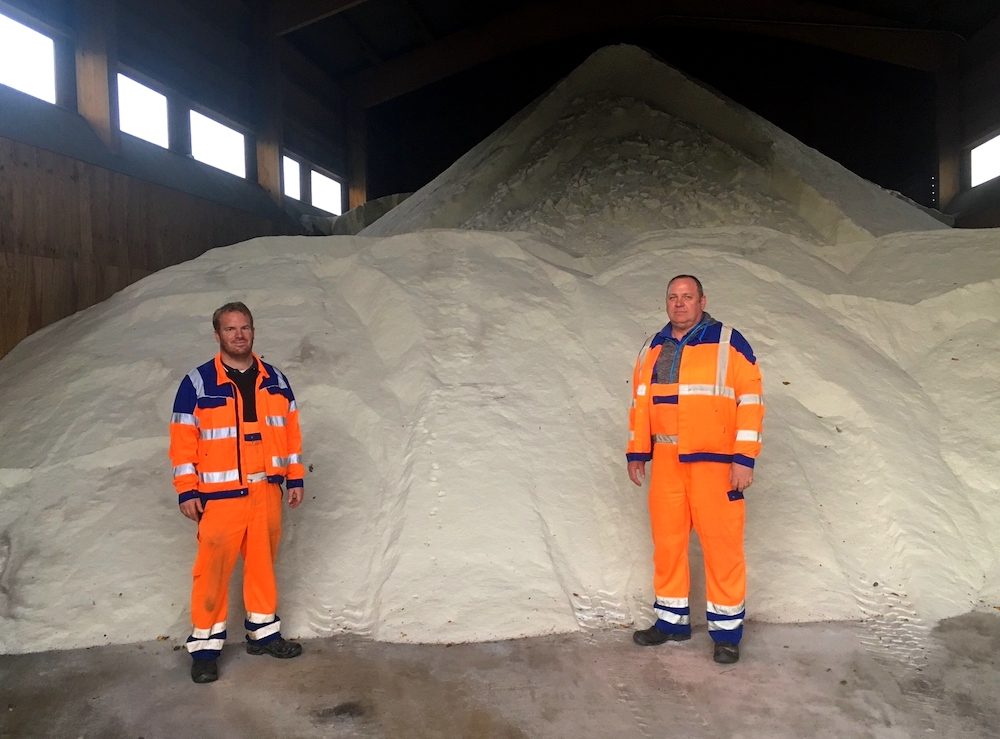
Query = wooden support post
x=951 y=178
x=179 y=125
x=305 y=183
x=65 y=72
x=266 y=80
x=96 y=62
x=357 y=156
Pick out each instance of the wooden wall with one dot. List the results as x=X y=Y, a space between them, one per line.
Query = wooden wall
x=72 y=233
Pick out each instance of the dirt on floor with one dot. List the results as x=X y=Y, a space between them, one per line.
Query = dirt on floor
x=827 y=679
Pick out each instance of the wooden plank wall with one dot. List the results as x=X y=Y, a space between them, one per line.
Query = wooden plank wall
x=72 y=234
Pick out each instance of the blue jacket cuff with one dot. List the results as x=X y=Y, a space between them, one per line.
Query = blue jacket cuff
x=639 y=456
x=294 y=483
x=185 y=497
x=743 y=460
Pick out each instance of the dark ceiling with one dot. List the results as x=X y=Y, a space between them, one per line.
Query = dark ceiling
x=852 y=78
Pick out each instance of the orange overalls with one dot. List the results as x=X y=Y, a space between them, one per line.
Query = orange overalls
x=697 y=408
x=236 y=468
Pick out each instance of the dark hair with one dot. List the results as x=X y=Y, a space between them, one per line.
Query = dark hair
x=694 y=279
x=236 y=307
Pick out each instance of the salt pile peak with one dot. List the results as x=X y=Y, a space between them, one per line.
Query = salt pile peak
x=686 y=157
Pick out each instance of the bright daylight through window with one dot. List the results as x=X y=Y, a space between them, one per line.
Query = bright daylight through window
x=27 y=60
x=142 y=112
x=218 y=145
x=986 y=161
x=290 y=173
x=326 y=193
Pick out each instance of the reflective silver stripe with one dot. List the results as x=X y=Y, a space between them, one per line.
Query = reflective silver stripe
x=185 y=419
x=748 y=435
x=260 y=618
x=664 y=439
x=292 y=406
x=750 y=399
x=727 y=392
x=224 y=476
x=274 y=420
x=197 y=646
x=722 y=363
x=725 y=610
x=644 y=351
x=198 y=382
x=661 y=606
x=673 y=618
x=266 y=630
x=205 y=633
x=285 y=461
x=184 y=469
x=727 y=625
x=282 y=382
x=257 y=477
x=227 y=432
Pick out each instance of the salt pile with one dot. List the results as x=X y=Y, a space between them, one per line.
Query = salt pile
x=463 y=393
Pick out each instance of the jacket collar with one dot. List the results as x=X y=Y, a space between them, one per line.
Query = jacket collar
x=666 y=333
x=221 y=378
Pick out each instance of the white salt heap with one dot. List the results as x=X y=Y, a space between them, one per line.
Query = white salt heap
x=464 y=392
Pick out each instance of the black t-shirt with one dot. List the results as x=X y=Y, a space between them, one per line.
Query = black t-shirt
x=246 y=381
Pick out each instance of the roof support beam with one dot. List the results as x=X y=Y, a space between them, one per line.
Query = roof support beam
x=537 y=23
x=291 y=15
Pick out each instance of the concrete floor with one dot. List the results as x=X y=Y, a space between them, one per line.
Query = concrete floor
x=794 y=680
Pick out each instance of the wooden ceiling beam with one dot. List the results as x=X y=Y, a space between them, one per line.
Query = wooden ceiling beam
x=851 y=32
x=291 y=15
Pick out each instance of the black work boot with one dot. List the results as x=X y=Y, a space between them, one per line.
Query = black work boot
x=280 y=648
x=726 y=653
x=204 y=670
x=652 y=637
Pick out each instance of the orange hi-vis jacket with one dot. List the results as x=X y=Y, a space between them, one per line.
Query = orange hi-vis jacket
x=207 y=442
x=704 y=396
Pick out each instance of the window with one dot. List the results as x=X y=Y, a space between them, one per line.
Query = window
x=326 y=193
x=290 y=174
x=986 y=161
x=27 y=60
x=142 y=112
x=218 y=145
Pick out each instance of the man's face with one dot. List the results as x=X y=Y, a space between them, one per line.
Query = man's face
x=235 y=335
x=684 y=306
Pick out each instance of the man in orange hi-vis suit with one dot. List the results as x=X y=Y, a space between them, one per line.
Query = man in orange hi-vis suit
x=234 y=439
x=697 y=410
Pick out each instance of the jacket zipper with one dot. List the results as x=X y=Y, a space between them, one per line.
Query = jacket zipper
x=236 y=405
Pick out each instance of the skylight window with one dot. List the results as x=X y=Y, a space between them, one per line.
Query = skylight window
x=326 y=193
x=27 y=60
x=218 y=145
x=142 y=112
x=986 y=161
x=290 y=173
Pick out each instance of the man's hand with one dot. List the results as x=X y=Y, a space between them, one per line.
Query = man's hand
x=295 y=496
x=740 y=476
x=193 y=509
x=637 y=472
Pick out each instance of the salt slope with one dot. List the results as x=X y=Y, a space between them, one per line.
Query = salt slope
x=652 y=135
x=463 y=405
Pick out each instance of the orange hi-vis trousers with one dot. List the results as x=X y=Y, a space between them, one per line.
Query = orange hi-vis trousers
x=247 y=526
x=682 y=494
